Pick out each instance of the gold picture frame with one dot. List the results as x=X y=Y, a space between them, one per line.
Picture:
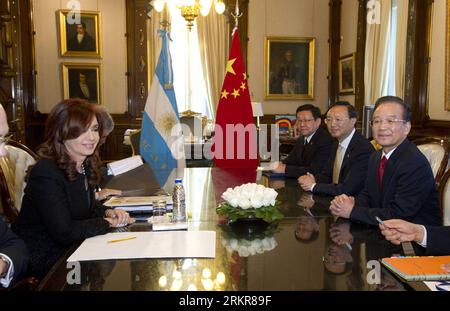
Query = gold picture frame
x=447 y=57
x=347 y=74
x=79 y=33
x=289 y=68
x=82 y=81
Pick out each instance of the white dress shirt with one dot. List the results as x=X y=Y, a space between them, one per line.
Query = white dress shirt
x=6 y=280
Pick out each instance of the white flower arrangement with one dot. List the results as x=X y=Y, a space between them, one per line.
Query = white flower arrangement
x=250 y=201
x=247 y=248
x=250 y=196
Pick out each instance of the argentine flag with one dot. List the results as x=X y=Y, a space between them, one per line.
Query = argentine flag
x=162 y=142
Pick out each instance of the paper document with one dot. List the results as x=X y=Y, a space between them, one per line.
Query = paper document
x=165 y=226
x=137 y=201
x=125 y=165
x=438 y=286
x=135 y=245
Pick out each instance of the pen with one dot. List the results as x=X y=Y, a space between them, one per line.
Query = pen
x=120 y=240
x=381 y=222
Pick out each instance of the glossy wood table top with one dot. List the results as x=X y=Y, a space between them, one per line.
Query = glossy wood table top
x=307 y=250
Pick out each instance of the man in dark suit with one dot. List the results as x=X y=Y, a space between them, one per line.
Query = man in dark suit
x=81 y=87
x=400 y=183
x=312 y=148
x=435 y=239
x=346 y=168
x=13 y=252
x=82 y=40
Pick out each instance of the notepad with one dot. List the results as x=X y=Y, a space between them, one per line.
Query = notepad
x=418 y=268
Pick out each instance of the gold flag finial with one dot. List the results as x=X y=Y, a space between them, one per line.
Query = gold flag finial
x=236 y=16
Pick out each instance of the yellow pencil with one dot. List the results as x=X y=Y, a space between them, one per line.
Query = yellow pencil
x=120 y=240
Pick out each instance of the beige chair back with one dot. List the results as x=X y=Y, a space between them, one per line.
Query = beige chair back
x=444 y=190
x=14 y=168
x=436 y=150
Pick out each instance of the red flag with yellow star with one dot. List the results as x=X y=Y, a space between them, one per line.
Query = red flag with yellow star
x=235 y=135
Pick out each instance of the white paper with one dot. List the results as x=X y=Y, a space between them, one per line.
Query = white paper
x=267 y=166
x=125 y=165
x=163 y=244
x=164 y=226
x=432 y=286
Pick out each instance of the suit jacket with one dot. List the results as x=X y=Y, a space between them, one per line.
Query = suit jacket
x=15 y=249
x=87 y=44
x=311 y=157
x=438 y=240
x=56 y=213
x=407 y=191
x=353 y=169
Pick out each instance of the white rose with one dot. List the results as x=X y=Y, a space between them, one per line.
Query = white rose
x=256 y=201
x=244 y=203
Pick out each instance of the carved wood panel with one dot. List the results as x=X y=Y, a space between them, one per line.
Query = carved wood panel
x=11 y=90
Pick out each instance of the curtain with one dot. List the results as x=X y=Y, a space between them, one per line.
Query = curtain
x=375 y=70
x=402 y=28
x=213 y=36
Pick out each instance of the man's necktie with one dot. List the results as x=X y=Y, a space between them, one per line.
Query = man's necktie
x=381 y=168
x=338 y=163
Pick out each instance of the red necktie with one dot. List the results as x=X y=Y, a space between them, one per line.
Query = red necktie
x=381 y=168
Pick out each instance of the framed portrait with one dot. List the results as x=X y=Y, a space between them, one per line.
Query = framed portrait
x=79 y=33
x=289 y=68
x=347 y=74
x=82 y=81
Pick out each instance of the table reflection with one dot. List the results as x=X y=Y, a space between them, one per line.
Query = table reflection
x=308 y=250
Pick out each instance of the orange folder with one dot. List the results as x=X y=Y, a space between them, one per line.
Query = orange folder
x=418 y=268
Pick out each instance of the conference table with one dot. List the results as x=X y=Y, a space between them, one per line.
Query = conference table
x=309 y=249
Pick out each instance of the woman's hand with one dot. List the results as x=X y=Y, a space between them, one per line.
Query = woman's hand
x=118 y=218
x=105 y=193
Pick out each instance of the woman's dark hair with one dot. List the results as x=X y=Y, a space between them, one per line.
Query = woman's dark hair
x=68 y=120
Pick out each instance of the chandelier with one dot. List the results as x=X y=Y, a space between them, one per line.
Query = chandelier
x=190 y=9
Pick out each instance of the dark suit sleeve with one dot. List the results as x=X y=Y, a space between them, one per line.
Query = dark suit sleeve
x=291 y=159
x=410 y=190
x=15 y=249
x=53 y=209
x=438 y=240
x=321 y=155
x=354 y=178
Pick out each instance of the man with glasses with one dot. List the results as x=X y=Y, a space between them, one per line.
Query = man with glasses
x=13 y=252
x=346 y=168
x=400 y=183
x=311 y=149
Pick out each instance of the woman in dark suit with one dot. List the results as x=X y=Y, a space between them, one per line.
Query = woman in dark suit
x=59 y=206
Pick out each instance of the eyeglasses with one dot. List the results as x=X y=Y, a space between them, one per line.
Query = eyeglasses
x=5 y=139
x=330 y=120
x=306 y=121
x=389 y=122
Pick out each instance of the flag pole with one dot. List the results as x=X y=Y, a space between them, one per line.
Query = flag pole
x=165 y=24
x=236 y=15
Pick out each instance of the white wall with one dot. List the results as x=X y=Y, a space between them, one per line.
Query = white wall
x=113 y=63
x=287 y=18
x=436 y=91
x=349 y=32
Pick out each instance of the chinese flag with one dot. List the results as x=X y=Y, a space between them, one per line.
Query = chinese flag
x=235 y=135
